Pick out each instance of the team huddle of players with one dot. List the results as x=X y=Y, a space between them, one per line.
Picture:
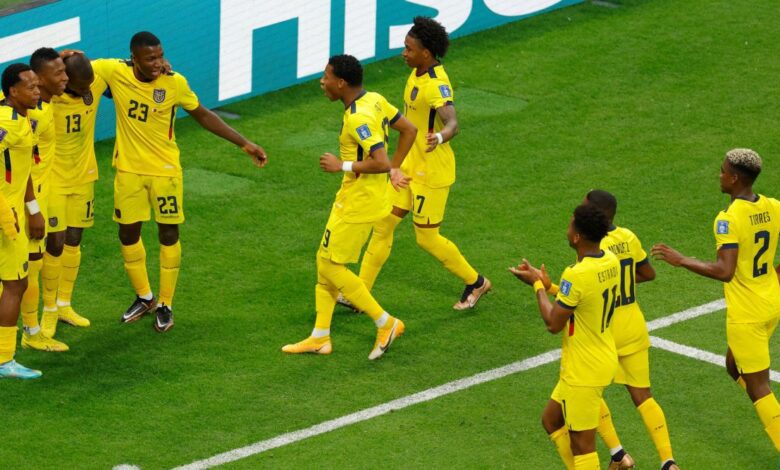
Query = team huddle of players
x=47 y=121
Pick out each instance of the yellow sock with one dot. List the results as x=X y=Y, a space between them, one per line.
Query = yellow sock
x=50 y=278
x=563 y=444
x=655 y=422
x=71 y=260
x=446 y=252
x=607 y=428
x=135 y=265
x=325 y=300
x=741 y=383
x=30 y=296
x=7 y=343
x=378 y=249
x=769 y=412
x=587 y=462
x=350 y=285
x=170 y=261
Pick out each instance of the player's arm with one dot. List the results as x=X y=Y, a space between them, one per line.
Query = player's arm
x=449 y=130
x=408 y=132
x=378 y=163
x=554 y=315
x=209 y=120
x=36 y=223
x=645 y=271
x=721 y=269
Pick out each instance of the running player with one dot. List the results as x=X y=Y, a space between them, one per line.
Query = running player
x=148 y=170
x=361 y=200
x=584 y=308
x=746 y=237
x=428 y=104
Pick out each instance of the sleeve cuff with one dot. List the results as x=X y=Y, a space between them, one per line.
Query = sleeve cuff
x=728 y=246
x=376 y=146
x=395 y=118
x=569 y=307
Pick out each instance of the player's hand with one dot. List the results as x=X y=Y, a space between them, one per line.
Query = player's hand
x=166 y=67
x=666 y=253
x=37 y=226
x=398 y=179
x=432 y=141
x=259 y=157
x=526 y=273
x=65 y=53
x=330 y=163
x=10 y=224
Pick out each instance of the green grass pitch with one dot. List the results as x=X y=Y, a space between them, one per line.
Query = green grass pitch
x=643 y=100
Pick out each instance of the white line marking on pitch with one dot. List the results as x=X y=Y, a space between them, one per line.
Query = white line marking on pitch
x=420 y=397
x=699 y=354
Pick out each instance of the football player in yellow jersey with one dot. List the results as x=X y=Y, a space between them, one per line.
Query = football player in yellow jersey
x=50 y=70
x=746 y=237
x=72 y=198
x=20 y=88
x=361 y=200
x=429 y=105
x=584 y=307
x=148 y=170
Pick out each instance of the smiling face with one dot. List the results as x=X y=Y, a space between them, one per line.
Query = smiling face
x=25 y=93
x=52 y=77
x=147 y=62
x=414 y=54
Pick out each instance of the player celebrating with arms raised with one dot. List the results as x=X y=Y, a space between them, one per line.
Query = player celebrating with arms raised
x=148 y=170
x=361 y=200
x=584 y=308
x=746 y=237
x=428 y=104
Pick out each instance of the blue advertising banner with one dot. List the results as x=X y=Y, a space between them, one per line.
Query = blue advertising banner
x=234 y=49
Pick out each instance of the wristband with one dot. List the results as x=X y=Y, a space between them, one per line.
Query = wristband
x=440 y=138
x=32 y=207
x=538 y=285
x=346 y=166
x=553 y=290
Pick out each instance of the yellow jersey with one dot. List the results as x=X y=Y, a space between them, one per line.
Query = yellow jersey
x=589 y=288
x=145 y=116
x=74 y=121
x=628 y=324
x=42 y=124
x=364 y=197
x=753 y=294
x=16 y=143
x=423 y=95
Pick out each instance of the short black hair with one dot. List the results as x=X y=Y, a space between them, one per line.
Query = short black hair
x=604 y=200
x=79 y=67
x=591 y=222
x=42 y=56
x=431 y=35
x=347 y=68
x=143 y=39
x=11 y=76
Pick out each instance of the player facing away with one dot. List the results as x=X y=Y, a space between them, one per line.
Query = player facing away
x=428 y=104
x=632 y=340
x=360 y=202
x=148 y=170
x=50 y=72
x=583 y=309
x=746 y=236
x=20 y=88
x=72 y=197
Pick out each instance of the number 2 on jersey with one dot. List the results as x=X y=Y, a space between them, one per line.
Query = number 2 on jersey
x=760 y=270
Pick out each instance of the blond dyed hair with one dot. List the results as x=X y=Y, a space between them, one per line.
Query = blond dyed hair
x=746 y=160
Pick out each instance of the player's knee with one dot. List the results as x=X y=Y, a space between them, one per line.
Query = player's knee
x=36 y=256
x=73 y=236
x=55 y=242
x=427 y=238
x=168 y=234
x=129 y=234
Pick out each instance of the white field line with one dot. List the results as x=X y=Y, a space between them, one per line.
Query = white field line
x=420 y=397
x=699 y=354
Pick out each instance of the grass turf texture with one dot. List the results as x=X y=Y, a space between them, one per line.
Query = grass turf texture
x=642 y=100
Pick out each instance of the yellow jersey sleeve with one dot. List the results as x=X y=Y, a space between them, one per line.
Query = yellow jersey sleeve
x=439 y=93
x=569 y=290
x=367 y=132
x=726 y=231
x=187 y=98
x=105 y=68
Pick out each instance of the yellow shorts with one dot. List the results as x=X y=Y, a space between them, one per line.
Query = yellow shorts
x=13 y=257
x=135 y=195
x=581 y=405
x=634 y=369
x=749 y=343
x=342 y=241
x=426 y=204
x=71 y=207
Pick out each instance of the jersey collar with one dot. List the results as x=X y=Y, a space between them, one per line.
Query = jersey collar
x=351 y=105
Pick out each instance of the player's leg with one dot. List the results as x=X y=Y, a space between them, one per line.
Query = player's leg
x=325 y=300
x=381 y=242
x=620 y=459
x=428 y=213
x=80 y=213
x=32 y=335
x=582 y=406
x=749 y=346
x=167 y=196
x=554 y=424
x=131 y=209
x=52 y=258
